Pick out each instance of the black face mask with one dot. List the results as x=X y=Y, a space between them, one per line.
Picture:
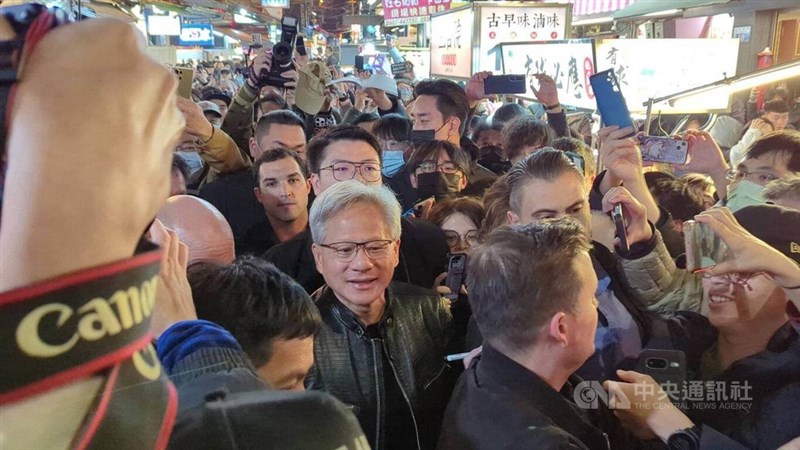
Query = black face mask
x=419 y=137
x=437 y=185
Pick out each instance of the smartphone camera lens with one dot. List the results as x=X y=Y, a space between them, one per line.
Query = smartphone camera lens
x=656 y=363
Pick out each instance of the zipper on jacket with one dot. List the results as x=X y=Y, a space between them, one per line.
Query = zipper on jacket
x=429 y=383
x=403 y=391
x=376 y=360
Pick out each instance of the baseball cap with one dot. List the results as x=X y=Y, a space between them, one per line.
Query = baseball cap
x=777 y=226
x=310 y=91
x=381 y=82
x=210 y=107
x=216 y=94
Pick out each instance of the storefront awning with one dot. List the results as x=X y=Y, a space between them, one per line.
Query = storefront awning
x=645 y=7
x=591 y=7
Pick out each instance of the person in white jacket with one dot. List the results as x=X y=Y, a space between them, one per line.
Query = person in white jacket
x=774 y=118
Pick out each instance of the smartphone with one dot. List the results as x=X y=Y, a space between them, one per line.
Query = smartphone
x=619 y=224
x=359 y=64
x=703 y=247
x=505 y=84
x=610 y=102
x=185 y=77
x=421 y=206
x=456 y=269
x=258 y=41
x=664 y=149
x=665 y=366
x=400 y=68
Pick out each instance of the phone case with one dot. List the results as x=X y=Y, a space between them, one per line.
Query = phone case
x=610 y=102
x=455 y=274
x=619 y=223
x=665 y=366
x=185 y=77
x=505 y=84
x=359 y=63
x=703 y=247
x=664 y=149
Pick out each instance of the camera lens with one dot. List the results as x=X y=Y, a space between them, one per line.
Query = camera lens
x=656 y=363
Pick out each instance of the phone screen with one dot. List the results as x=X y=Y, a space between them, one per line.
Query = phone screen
x=456 y=269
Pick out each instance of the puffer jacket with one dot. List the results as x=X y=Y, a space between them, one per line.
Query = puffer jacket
x=348 y=364
x=657 y=282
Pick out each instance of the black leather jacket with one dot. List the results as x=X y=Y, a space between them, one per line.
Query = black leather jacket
x=348 y=363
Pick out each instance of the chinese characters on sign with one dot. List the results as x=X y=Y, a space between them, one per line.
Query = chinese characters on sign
x=451 y=44
x=518 y=24
x=649 y=68
x=569 y=63
x=407 y=12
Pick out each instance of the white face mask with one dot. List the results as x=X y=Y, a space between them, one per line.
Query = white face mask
x=195 y=163
x=744 y=193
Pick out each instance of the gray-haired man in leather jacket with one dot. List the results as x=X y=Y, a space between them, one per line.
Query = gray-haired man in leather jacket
x=382 y=345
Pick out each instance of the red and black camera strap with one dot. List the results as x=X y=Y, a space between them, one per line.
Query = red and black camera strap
x=92 y=323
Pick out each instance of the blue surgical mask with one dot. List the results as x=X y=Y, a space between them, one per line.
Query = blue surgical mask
x=744 y=193
x=391 y=162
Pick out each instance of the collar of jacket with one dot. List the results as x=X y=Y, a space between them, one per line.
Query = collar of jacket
x=348 y=318
x=497 y=371
x=766 y=371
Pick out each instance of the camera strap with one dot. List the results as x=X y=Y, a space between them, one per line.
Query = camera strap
x=92 y=323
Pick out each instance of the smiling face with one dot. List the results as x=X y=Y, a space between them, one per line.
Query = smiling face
x=358 y=284
x=737 y=299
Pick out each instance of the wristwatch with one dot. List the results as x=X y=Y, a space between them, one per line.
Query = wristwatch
x=549 y=107
x=686 y=439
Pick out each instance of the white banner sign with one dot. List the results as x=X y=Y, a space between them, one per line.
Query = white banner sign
x=569 y=63
x=649 y=68
x=518 y=24
x=451 y=44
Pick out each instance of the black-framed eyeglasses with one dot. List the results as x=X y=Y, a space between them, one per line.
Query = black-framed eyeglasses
x=453 y=238
x=345 y=170
x=445 y=167
x=347 y=251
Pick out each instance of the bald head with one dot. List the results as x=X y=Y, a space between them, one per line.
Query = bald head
x=201 y=227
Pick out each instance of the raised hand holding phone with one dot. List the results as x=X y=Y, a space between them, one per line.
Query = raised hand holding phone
x=637 y=229
x=748 y=253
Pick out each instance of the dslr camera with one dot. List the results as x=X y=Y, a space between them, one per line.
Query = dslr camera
x=282 y=54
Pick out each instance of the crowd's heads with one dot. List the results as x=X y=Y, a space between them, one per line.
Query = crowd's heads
x=279 y=129
x=441 y=105
x=777 y=113
x=496 y=203
x=367 y=121
x=356 y=232
x=212 y=113
x=507 y=113
x=219 y=98
x=394 y=132
x=269 y=102
x=744 y=300
x=179 y=175
x=772 y=156
x=547 y=185
x=268 y=313
x=344 y=153
x=486 y=135
x=201 y=227
x=784 y=192
x=439 y=168
x=533 y=286
x=702 y=186
x=577 y=146
x=679 y=200
x=524 y=135
x=460 y=219
x=281 y=185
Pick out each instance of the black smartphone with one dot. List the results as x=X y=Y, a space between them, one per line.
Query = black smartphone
x=359 y=64
x=665 y=366
x=505 y=84
x=664 y=149
x=456 y=269
x=610 y=102
x=619 y=224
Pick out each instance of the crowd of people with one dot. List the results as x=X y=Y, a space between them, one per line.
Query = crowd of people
x=344 y=266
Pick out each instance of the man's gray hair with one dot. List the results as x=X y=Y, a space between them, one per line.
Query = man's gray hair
x=783 y=188
x=342 y=196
